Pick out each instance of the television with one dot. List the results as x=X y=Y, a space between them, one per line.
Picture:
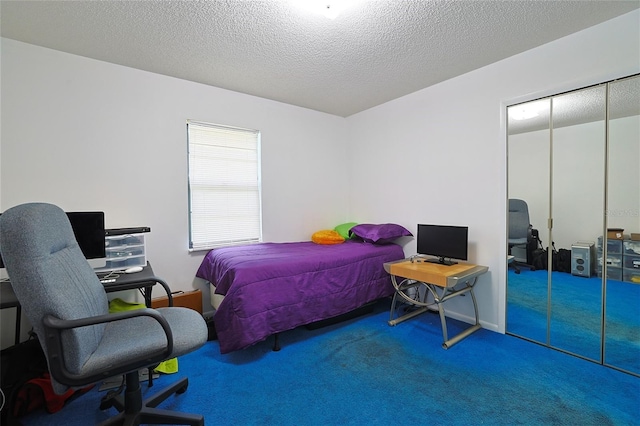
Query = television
x=445 y=242
x=88 y=228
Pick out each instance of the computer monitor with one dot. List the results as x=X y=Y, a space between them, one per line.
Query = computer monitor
x=88 y=228
x=443 y=241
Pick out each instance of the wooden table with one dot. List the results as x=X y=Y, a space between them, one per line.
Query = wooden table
x=443 y=282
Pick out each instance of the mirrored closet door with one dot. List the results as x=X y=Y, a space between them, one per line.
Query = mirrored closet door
x=577 y=204
x=529 y=177
x=622 y=296
x=573 y=159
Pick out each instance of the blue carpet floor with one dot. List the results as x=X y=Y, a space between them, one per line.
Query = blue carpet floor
x=365 y=372
x=576 y=315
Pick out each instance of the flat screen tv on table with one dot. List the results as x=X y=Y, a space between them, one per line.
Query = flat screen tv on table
x=445 y=242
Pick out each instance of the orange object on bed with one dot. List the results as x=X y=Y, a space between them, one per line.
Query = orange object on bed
x=327 y=237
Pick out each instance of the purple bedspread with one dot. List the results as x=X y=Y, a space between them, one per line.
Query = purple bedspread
x=273 y=287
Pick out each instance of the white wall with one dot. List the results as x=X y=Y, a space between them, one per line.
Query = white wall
x=89 y=135
x=439 y=155
x=623 y=210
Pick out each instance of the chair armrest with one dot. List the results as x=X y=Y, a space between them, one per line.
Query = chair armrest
x=167 y=289
x=53 y=335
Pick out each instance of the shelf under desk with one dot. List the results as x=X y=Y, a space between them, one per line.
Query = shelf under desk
x=143 y=281
x=441 y=281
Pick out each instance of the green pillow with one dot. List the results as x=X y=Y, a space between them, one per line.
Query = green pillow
x=118 y=305
x=343 y=229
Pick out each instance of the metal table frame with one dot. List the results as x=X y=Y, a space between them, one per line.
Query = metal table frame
x=457 y=285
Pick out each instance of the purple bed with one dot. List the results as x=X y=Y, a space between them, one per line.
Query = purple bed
x=263 y=289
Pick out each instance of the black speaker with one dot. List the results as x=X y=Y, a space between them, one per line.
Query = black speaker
x=532 y=245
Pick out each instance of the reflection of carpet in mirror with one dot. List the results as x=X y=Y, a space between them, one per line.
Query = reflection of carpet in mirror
x=576 y=311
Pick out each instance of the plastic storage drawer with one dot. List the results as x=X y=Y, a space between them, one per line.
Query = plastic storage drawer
x=125 y=251
x=631 y=247
x=612 y=273
x=632 y=276
x=613 y=260
x=613 y=246
x=631 y=262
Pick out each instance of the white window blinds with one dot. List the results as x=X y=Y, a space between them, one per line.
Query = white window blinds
x=224 y=186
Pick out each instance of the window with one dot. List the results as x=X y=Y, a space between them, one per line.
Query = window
x=224 y=186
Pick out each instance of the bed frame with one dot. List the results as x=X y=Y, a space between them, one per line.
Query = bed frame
x=264 y=289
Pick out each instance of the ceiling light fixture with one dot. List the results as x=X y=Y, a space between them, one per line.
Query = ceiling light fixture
x=328 y=8
x=528 y=110
x=522 y=114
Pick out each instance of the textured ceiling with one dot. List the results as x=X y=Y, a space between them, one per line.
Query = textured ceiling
x=375 y=51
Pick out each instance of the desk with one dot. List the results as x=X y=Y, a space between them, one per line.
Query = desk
x=441 y=281
x=143 y=281
x=8 y=299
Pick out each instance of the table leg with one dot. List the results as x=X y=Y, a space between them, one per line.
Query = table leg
x=18 y=322
x=443 y=320
x=447 y=343
x=400 y=289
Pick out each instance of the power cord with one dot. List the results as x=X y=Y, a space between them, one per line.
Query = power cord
x=110 y=275
x=107 y=400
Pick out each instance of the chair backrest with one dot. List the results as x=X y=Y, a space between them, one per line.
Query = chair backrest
x=518 y=221
x=51 y=276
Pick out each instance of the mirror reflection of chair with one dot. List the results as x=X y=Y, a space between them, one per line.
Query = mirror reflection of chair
x=68 y=308
x=520 y=234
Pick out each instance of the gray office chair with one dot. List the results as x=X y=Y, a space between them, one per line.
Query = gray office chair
x=520 y=230
x=67 y=306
